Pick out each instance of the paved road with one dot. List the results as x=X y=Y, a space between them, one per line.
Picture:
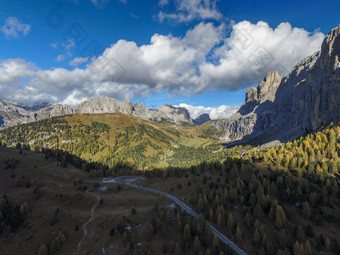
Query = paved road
x=118 y=180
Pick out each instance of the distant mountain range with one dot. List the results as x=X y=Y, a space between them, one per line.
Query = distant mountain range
x=14 y=114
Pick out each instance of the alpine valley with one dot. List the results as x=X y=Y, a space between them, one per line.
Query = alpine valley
x=113 y=177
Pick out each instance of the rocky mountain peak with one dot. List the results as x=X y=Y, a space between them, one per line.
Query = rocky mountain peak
x=251 y=94
x=268 y=87
x=203 y=118
x=330 y=50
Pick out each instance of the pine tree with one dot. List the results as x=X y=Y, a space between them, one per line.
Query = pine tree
x=54 y=246
x=283 y=239
x=308 y=248
x=179 y=222
x=168 y=217
x=187 y=233
x=200 y=204
x=230 y=222
x=312 y=198
x=62 y=238
x=219 y=219
x=42 y=250
x=257 y=236
x=280 y=217
x=211 y=215
x=238 y=234
x=178 y=250
x=297 y=248
x=197 y=244
x=149 y=232
x=249 y=220
x=278 y=222
x=300 y=234
x=215 y=242
x=306 y=211
x=327 y=244
x=258 y=212
x=164 y=231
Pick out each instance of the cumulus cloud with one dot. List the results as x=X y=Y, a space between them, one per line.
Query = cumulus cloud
x=60 y=58
x=102 y=3
x=78 y=61
x=203 y=59
x=220 y=112
x=13 y=28
x=188 y=10
x=66 y=48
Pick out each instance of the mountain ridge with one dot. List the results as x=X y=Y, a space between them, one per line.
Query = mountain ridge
x=13 y=114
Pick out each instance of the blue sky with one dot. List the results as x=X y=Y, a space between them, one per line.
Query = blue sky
x=40 y=36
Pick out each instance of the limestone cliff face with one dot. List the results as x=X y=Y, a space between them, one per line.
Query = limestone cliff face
x=306 y=100
x=309 y=97
x=243 y=122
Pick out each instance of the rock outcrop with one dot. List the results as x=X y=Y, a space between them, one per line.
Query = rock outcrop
x=203 y=118
x=283 y=109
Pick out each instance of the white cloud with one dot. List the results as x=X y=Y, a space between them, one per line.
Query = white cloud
x=60 y=58
x=13 y=28
x=254 y=49
x=99 y=3
x=102 y=3
x=68 y=46
x=203 y=59
x=77 y=61
x=65 y=48
x=54 y=45
x=163 y=3
x=188 y=10
x=220 y=112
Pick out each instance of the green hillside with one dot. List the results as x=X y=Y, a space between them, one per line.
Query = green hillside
x=115 y=138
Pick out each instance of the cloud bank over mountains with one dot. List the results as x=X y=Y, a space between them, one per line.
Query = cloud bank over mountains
x=205 y=58
x=220 y=112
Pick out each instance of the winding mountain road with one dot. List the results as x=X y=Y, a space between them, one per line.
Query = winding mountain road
x=223 y=238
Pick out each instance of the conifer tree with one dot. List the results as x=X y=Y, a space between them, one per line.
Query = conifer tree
x=197 y=244
x=42 y=250
x=238 y=234
x=215 y=242
x=187 y=233
x=178 y=250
